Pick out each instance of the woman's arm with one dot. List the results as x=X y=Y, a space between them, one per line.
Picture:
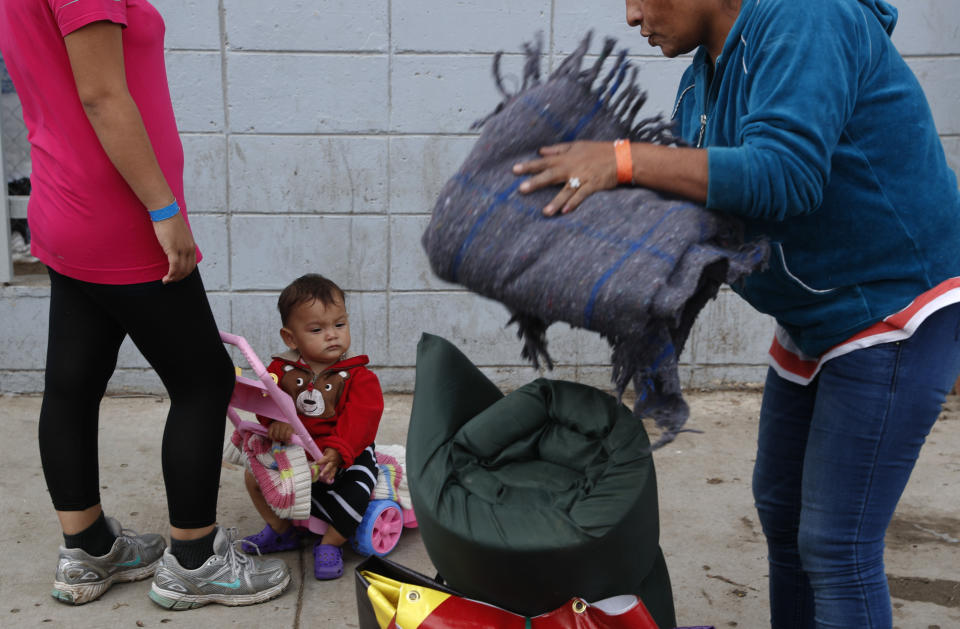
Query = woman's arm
x=96 y=57
x=798 y=82
x=679 y=171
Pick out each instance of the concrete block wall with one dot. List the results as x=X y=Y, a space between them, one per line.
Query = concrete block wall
x=318 y=134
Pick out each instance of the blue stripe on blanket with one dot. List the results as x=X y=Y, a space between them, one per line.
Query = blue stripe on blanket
x=500 y=198
x=592 y=300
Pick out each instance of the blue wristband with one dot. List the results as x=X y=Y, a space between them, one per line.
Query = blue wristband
x=165 y=212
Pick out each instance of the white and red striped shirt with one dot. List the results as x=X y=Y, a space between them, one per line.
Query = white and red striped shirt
x=793 y=365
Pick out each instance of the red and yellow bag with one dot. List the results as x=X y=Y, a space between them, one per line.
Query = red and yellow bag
x=408 y=600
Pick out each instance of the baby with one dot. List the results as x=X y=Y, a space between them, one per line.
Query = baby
x=317 y=332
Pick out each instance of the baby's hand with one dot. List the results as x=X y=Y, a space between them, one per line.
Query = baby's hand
x=330 y=462
x=280 y=431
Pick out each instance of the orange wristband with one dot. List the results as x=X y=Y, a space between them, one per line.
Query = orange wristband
x=621 y=149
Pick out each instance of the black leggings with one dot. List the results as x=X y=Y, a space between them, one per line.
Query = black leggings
x=174 y=329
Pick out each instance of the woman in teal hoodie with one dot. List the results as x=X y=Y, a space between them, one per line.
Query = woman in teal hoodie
x=803 y=120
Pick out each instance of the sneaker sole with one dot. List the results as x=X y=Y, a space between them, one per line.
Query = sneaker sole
x=178 y=602
x=81 y=593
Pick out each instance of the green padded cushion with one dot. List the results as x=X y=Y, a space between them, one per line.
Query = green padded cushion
x=528 y=499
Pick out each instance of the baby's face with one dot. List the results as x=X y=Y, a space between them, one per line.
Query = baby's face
x=320 y=332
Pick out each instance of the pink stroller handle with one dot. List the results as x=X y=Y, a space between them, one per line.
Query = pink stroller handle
x=241 y=343
x=265 y=398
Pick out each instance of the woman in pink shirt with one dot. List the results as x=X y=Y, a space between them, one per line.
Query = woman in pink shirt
x=108 y=218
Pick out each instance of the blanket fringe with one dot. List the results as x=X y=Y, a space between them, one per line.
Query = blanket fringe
x=532 y=331
x=621 y=77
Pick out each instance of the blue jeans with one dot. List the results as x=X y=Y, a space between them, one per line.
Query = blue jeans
x=833 y=458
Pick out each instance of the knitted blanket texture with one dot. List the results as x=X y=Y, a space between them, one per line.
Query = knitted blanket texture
x=629 y=263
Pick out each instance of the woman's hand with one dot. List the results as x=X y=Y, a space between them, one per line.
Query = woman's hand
x=681 y=171
x=177 y=242
x=593 y=164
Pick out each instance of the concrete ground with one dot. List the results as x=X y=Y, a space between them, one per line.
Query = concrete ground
x=710 y=534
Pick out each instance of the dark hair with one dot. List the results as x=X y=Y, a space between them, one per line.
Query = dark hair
x=308 y=288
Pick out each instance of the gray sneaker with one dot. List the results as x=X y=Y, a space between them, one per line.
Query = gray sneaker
x=229 y=577
x=82 y=578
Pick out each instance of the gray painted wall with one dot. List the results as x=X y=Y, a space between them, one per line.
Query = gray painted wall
x=317 y=135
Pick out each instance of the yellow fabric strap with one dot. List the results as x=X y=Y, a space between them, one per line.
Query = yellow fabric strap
x=410 y=604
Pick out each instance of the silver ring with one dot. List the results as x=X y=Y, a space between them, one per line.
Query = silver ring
x=573 y=182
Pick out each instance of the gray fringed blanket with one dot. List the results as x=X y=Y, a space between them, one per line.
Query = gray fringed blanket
x=628 y=263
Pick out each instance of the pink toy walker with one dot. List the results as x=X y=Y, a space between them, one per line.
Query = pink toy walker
x=286 y=471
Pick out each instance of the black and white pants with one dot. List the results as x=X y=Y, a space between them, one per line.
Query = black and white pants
x=343 y=503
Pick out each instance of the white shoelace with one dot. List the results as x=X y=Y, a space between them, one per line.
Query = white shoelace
x=128 y=534
x=235 y=554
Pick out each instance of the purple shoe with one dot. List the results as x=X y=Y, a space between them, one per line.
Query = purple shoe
x=269 y=541
x=327 y=561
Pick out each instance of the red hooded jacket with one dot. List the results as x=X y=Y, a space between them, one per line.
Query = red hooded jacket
x=354 y=425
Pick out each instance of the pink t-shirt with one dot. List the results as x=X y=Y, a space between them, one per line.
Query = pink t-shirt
x=85 y=221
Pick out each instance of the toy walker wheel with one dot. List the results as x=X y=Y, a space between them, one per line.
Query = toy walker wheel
x=380 y=528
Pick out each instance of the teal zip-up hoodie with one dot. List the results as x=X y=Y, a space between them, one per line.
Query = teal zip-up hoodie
x=820 y=138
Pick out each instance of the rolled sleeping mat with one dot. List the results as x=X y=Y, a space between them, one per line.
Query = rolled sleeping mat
x=528 y=499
